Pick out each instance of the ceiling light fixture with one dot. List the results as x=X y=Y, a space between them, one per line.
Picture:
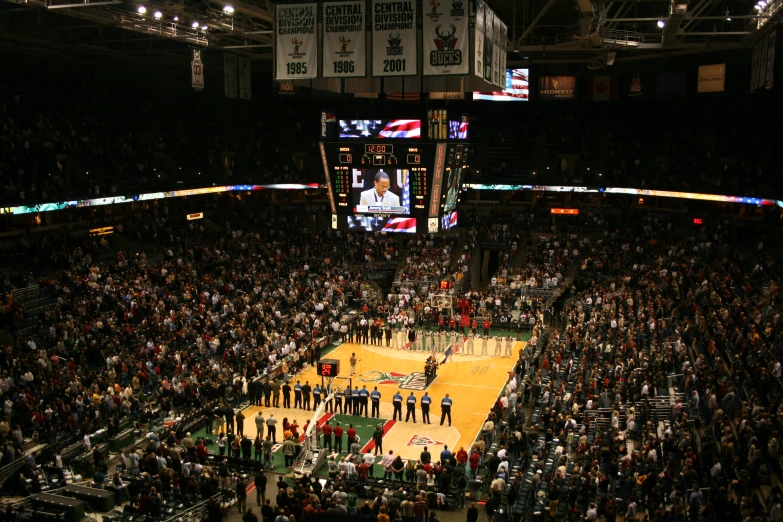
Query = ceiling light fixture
x=228 y=9
x=142 y=9
x=158 y=15
x=661 y=24
x=194 y=25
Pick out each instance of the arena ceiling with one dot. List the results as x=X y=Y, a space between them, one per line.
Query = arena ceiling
x=540 y=31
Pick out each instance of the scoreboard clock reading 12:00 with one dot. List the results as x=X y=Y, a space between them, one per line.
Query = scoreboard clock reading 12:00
x=379 y=178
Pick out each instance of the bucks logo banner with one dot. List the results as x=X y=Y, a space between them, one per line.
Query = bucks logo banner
x=344 y=40
x=445 y=36
x=296 y=41
x=394 y=38
x=478 y=44
x=489 y=42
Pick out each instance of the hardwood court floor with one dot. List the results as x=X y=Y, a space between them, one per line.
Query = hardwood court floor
x=472 y=381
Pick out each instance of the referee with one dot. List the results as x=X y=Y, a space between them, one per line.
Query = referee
x=426 y=400
x=445 y=409
x=411 y=402
x=397 y=401
x=375 y=397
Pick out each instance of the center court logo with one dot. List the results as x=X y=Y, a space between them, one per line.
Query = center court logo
x=416 y=381
x=423 y=440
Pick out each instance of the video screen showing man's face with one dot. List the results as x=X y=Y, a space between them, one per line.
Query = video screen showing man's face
x=381 y=191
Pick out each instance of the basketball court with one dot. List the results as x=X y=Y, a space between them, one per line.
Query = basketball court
x=473 y=382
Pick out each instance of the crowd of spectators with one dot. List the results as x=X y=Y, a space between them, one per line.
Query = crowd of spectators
x=53 y=151
x=626 y=144
x=125 y=334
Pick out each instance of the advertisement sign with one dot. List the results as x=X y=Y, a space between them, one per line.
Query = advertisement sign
x=344 y=40
x=445 y=38
x=394 y=50
x=636 y=88
x=712 y=78
x=328 y=125
x=556 y=87
x=436 y=95
x=296 y=41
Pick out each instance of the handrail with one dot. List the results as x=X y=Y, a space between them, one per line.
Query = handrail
x=10 y=469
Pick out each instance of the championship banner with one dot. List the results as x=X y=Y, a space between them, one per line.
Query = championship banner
x=445 y=38
x=196 y=70
x=770 y=65
x=244 y=78
x=754 y=69
x=497 y=80
x=762 y=62
x=344 y=40
x=230 y=75
x=503 y=54
x=394 y=50
x=489 y=42
x=478 y=44
x=296 y=41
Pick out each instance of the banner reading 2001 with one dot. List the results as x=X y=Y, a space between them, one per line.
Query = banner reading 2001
x=445 y=35
x=394 y=38
x=344 y=40
x=296 y=42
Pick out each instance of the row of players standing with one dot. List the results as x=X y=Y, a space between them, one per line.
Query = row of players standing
x=402 y=334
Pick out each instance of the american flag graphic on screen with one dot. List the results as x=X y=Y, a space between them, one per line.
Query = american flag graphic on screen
x=380 y=128
x=378 y=224
x=400 y=224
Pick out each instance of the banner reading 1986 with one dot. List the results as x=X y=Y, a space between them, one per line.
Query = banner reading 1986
x=394 y=49
x=445 y=38
x=344 y=44
x=296 y=42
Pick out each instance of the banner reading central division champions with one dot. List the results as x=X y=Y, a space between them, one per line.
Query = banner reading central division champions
x=296 y=42
x=394 y=38
x=344 y=40
x=445 y=38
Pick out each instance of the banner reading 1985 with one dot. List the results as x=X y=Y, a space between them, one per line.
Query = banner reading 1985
x=344 y=45
x=394 y=38
x=296 y=42
x=445 y=38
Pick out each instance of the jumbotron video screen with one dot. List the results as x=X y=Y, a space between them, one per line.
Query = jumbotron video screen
x=388 y=186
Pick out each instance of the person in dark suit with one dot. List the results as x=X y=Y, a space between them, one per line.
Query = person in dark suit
x=306 y=389
x=286 y=395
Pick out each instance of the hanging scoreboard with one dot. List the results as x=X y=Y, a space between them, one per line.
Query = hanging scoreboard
x=392 y=186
